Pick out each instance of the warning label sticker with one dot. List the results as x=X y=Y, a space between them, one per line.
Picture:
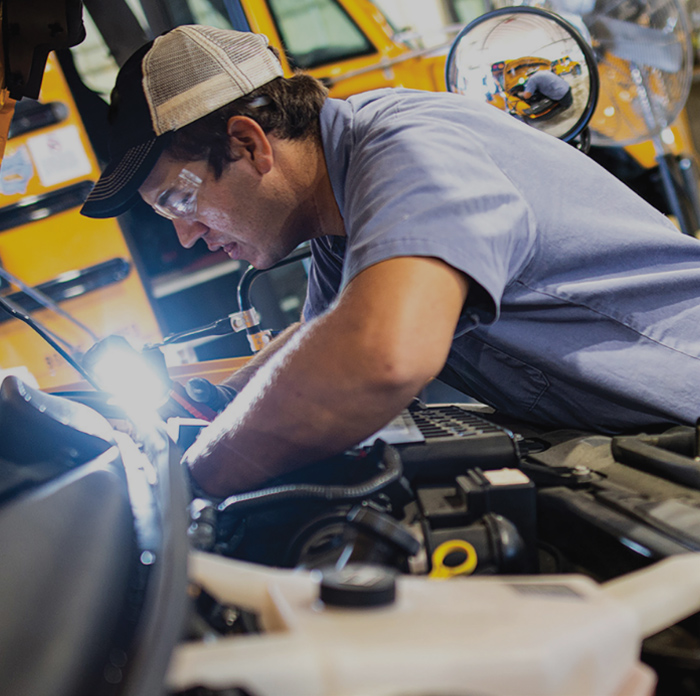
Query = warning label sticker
x=59 y=156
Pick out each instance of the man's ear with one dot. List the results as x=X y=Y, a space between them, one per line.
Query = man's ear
x=248 y=140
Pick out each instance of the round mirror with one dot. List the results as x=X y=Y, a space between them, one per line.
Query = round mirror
x=530 y=63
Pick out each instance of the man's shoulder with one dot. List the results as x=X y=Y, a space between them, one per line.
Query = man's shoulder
x=406 y=112
x=382 y=99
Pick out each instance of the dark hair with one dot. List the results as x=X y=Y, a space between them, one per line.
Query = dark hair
x=287 y=107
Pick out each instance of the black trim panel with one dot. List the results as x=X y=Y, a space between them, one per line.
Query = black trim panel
x=31 y=115
x=74 y=283
x=34 y=208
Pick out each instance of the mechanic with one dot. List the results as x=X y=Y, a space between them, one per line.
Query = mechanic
x=445 y=234
x=549 y=85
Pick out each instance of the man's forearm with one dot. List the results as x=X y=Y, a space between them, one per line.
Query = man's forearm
x=338 y=379
x=241 y=377
x=313 y=399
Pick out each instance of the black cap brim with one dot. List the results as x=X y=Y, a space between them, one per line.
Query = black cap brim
x=117 y=189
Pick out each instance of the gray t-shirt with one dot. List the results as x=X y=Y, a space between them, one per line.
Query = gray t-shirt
x=583 y=308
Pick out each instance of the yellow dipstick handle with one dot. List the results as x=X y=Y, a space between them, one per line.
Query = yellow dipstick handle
x=441 y=571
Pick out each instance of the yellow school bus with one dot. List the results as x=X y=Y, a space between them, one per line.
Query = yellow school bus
x=83 y=266
x=348 y=44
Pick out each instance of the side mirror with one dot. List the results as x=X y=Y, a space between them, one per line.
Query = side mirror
x=530 y=63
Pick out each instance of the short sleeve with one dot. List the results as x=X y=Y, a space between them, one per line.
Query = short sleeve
x=417 y=185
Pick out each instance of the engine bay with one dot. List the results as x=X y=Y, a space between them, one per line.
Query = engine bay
x=398 y=541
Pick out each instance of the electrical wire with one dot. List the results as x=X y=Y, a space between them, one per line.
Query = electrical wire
x=45 y=301
x=392 y=471
x=45 y=335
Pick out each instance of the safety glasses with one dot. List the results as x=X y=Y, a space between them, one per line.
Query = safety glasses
x=180 y=199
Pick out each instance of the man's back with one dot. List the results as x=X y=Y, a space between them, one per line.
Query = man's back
x=596 y=291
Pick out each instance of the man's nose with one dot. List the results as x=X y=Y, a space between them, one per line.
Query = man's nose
x=189 y=231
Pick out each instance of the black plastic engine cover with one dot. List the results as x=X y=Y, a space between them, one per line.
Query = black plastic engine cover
x=67 y=552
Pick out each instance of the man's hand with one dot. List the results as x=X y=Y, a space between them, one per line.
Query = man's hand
x=216 y=396
x=339 y=378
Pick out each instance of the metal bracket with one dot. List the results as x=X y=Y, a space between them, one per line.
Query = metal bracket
x=245 y=319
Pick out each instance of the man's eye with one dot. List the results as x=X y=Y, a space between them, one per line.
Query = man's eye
x=164 y=198
x=181 y=202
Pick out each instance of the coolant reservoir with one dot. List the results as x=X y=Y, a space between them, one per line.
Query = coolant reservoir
x=493 y=636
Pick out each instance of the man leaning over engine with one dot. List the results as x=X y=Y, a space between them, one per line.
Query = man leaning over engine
x=444 y=235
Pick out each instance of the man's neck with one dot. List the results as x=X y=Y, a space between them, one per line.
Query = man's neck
x=305 y=166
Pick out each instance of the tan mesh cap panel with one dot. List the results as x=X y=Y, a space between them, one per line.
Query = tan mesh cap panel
x=193 y=70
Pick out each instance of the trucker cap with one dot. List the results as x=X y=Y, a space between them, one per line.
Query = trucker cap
x=169 y=83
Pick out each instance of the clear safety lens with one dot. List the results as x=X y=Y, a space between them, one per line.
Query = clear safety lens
x=180 y=200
